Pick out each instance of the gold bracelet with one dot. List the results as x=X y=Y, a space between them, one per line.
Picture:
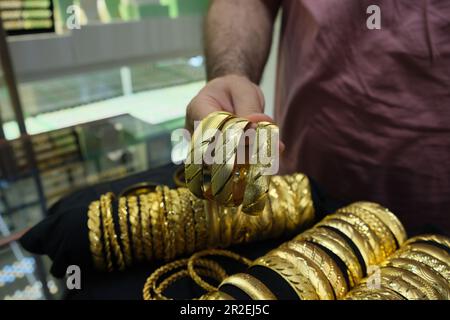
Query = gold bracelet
x=169 y=215
x=95 y=234
x=305 y=203
x=135 y=227
x=150 y=283
x=200 y=142
x=364 y=230
x=436 y=287
x=257 y=185
x=433 y=251
x=123 y=223
x=178 y=224
x=112 y=233
x=399 y=281
x=201 y=234
x=189 y=218
x=286 y=203
x=365 y=293
x=360 y=242
x=331 y=270
x=388 y=218
x=438 y=266
x=439 y=239
x=254 y=288
x=156 y=221
x=336 y=244
x=106 y=238
x=226 y=226
x=308 y=267
x=387 y=240
x=164 y=224
x=297 y=281
x=145 y=201
x=226 y=176
x=216 y=295
x=211 y=215
x=211 y=252
x=278 y=213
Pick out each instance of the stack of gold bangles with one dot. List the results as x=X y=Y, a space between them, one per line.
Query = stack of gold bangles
x=358 y=241
x=224 y=167
x=166 y=223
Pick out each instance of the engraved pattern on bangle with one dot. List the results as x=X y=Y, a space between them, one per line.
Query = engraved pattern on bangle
x=124 y=237
x=95 y=235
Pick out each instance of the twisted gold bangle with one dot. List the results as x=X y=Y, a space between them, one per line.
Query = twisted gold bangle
x=156 y=221
x=109 y=221
x=254 y=288
x=145 y=201
x=95 y=234
x=106 y=238
x=164 y=223
x=309 y=268
x=135 y=227
x=123 y=223
x=211 y=252
x=297 y=281
x=201 y=233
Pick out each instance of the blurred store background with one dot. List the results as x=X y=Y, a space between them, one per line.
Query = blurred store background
x=100 y=85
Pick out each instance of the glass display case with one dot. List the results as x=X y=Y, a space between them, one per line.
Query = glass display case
x=99 y=102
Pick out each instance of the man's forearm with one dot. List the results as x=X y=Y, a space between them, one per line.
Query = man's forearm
x=238 y=35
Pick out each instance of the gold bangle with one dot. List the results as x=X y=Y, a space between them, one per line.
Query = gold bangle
x=216 y=295
x=157 y=222
x=211 y=252
x=226 y=225
x=302 y=189
x=434 y=284
x=309 y=268
x=388 y=218
x=106 y=238
x=278 y=213
x=123 y=223
x=437 y=265
x=212 y=224
x=297 y=281
x=387 y=240
x=339 y=246
x=200 y=142
x=189 y=218
x=328 y=265
x=226 y=176
x=95 y=234
x=439 y=239
x=145 y=201
x=286 y=204
x=349 y=230
x=201 y=234
x=112 y=233
x=135 y=227
x=363 y=229
x=178 y=223
x=257 y=184
x=400 y=281
x=254 y=288
x=365 y=293
x=168 y=226
x=434 y=251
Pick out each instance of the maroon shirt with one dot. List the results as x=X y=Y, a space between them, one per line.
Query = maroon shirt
x=366 y=113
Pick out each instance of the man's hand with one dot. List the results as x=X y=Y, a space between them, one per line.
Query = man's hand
x=233 y=93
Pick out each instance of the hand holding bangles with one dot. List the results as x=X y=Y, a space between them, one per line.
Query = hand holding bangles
x=229 y=162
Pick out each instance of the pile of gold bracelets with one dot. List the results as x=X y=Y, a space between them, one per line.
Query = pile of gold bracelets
x=360 y=247
x=235 y=173
x=167 y=223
